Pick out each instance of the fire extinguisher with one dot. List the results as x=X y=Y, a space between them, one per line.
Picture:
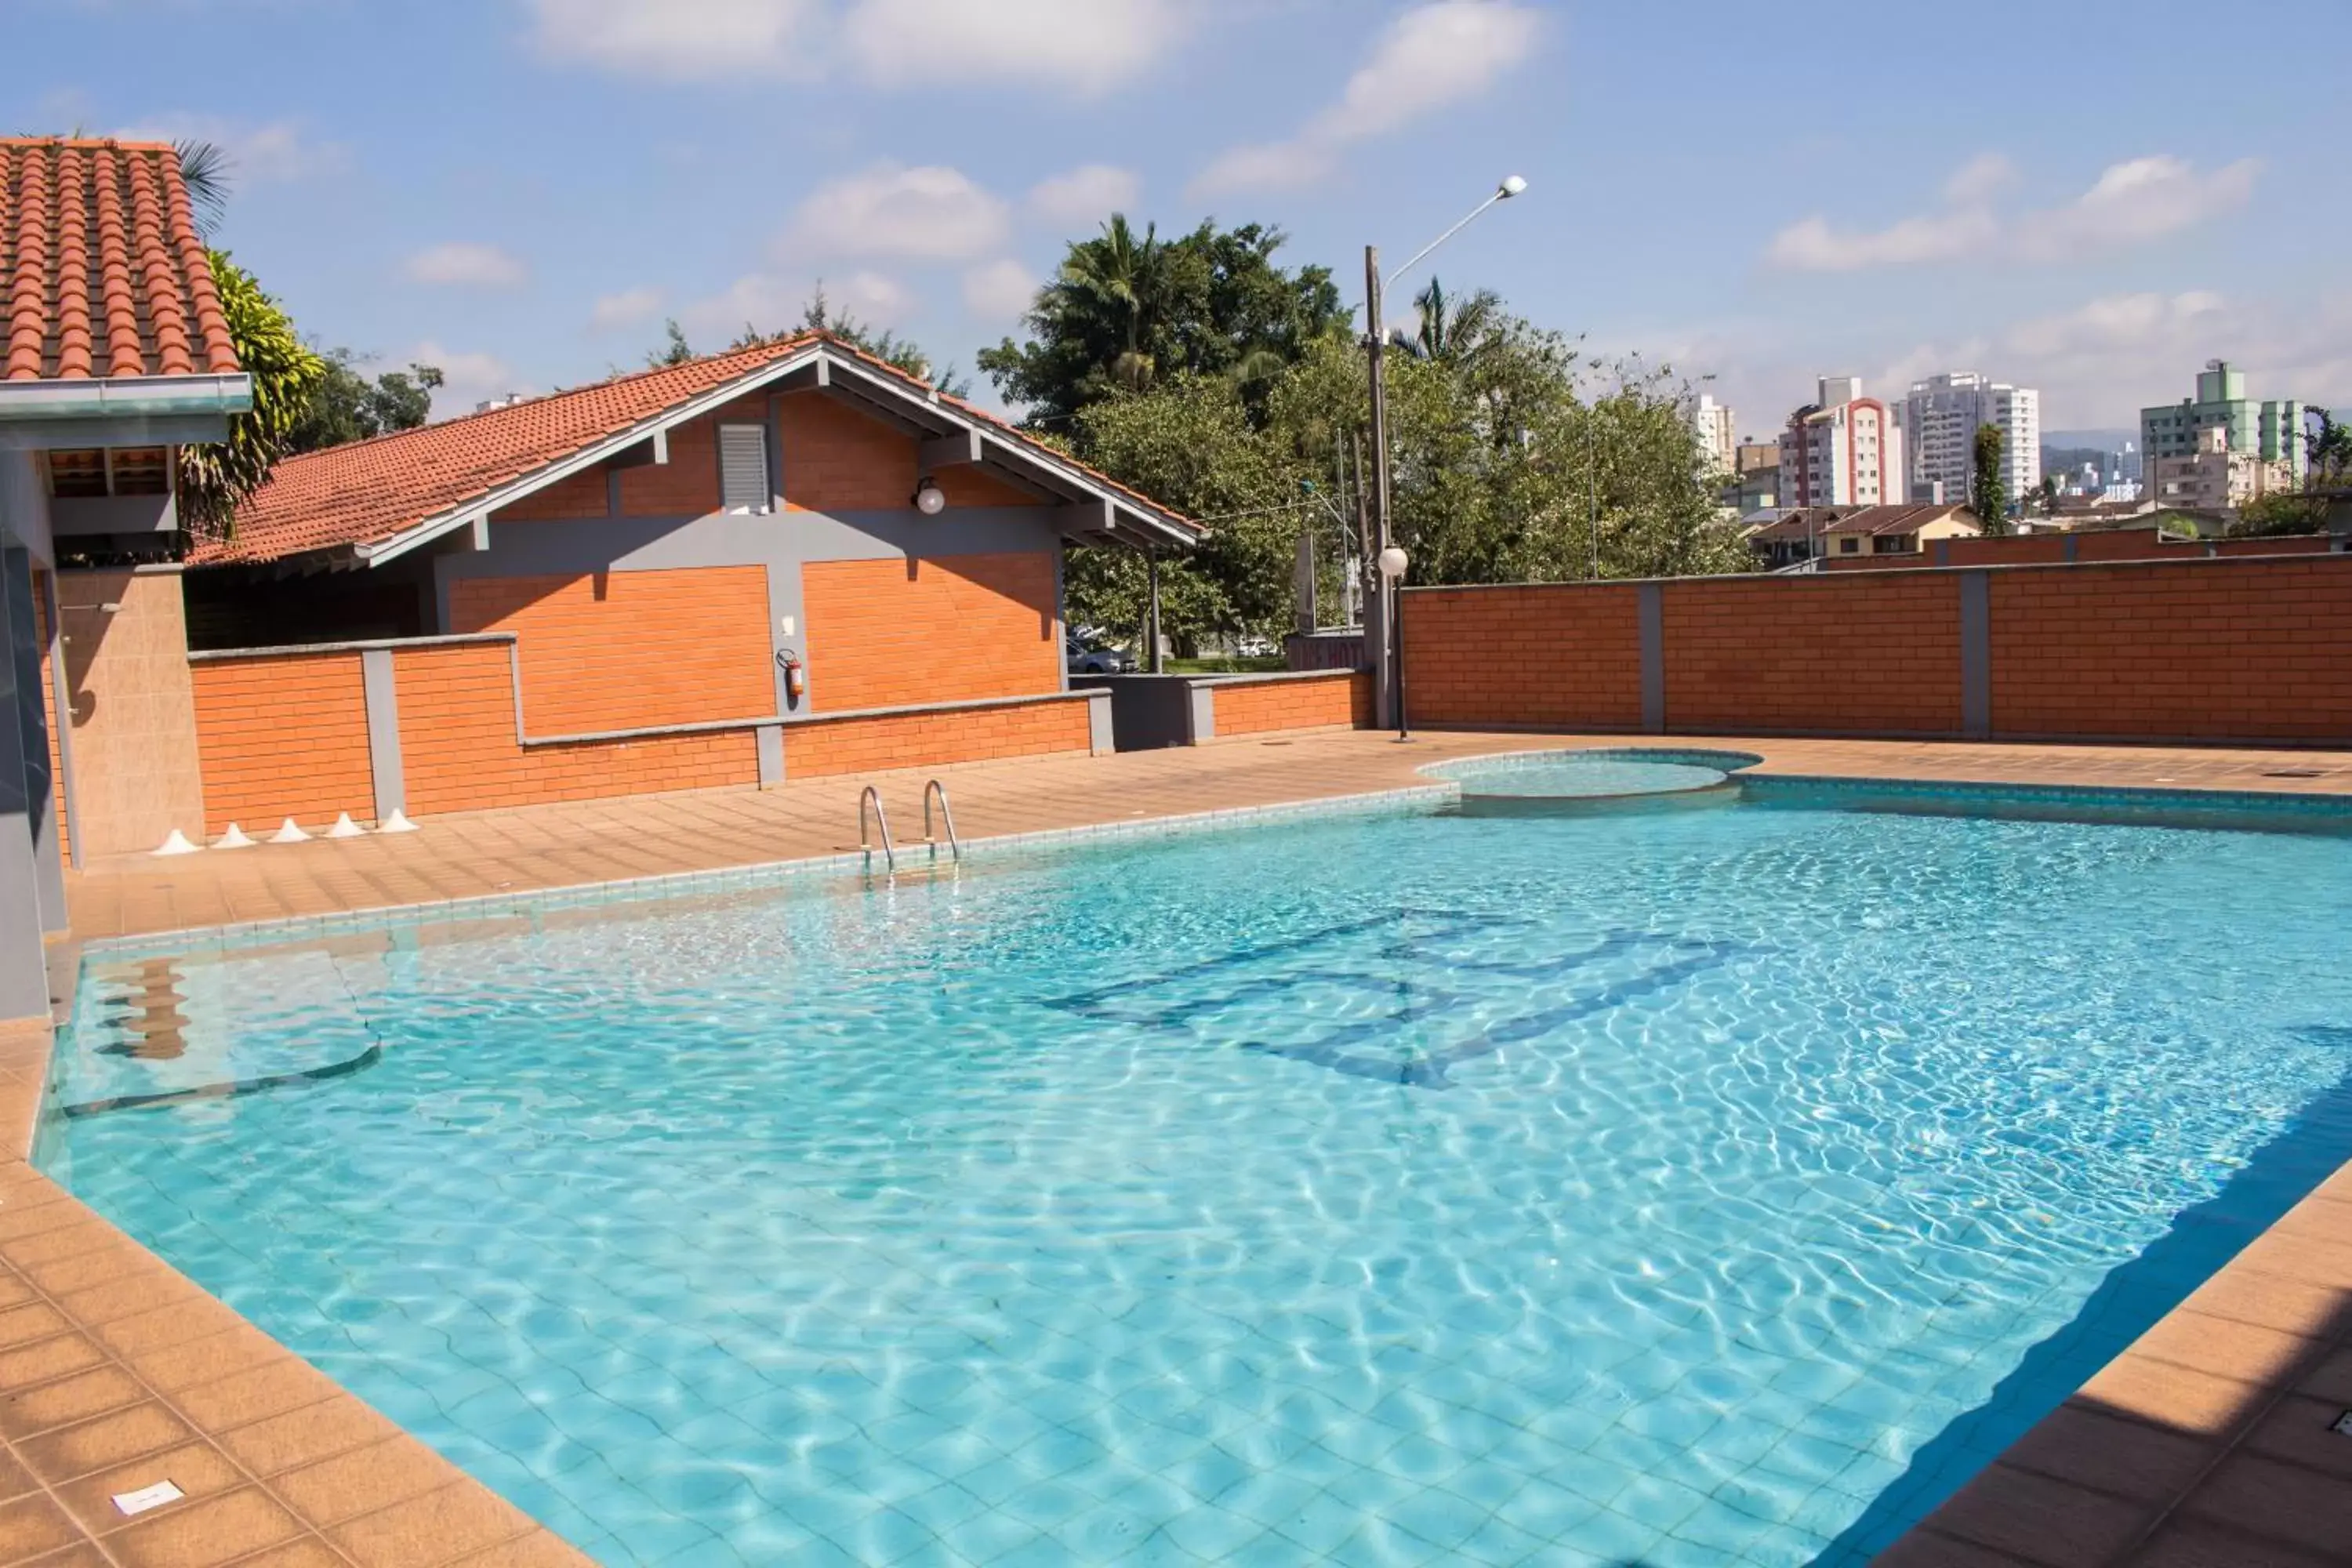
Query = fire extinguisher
x=795 y=675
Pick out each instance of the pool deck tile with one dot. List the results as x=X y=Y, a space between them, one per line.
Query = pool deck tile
x=2205 y=1443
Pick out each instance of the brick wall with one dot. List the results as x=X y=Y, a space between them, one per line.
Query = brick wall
x=822 y=749
x=630 y=650
x=459 y=750
x=687 y=485
x=282 y=736
x=2256 y=649
x=837 y=460
x=951 y=628
x=1257 y=708
x=1566 y=655
x=581 y=494
x=1864 y=655
x=2229 y=648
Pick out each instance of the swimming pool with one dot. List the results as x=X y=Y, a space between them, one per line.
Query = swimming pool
x=1676 y=1187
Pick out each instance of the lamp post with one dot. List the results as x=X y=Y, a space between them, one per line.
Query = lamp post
x=1380 y=607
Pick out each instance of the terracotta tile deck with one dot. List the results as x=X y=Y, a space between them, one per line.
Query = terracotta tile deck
x=2207 y=1443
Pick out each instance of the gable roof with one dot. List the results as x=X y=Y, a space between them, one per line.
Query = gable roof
x=1899 y=520
x=103 y=272
x=370 y=500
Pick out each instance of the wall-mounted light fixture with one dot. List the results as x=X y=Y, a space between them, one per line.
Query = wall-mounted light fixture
x=929 y=499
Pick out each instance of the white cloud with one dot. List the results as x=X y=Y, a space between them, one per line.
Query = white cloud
x=2131 y=203
x=460 y=265
x=1087 y=47
x=1088 y=193
x=931 y=213
x=276 y=153
x=1811 y=245
x=771 y=301
x=624 y=308
x=999 y=289
x=707 y=40
x=1433 y=56
x=2134 y=201
x=466 y=378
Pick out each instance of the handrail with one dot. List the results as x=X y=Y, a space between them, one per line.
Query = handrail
x=947 y=813
x=871 y=796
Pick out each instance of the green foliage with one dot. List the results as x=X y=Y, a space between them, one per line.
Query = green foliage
x=1127 y=312
x=1188 y=444
x=1501 y=471
x=216 y=478
x=2279 y=512
x=2048 y=495
x=345 y=405
x=2329 y=452
x=1988 y=491
x=675 y=349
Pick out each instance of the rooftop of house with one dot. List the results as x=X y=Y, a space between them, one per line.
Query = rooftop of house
x=372 y=497
x=104 y=272
x=1899 y=520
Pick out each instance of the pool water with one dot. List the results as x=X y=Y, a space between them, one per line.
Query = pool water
x=1678 y=1188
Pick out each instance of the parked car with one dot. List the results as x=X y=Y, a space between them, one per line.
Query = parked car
x=1103 y=660
x=1256 y=647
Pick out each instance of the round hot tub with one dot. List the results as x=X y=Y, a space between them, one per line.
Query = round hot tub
x=1547 y=783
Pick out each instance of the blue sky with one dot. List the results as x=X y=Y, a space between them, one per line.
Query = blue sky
x=2092 y=197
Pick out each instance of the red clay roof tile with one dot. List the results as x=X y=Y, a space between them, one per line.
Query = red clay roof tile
x=369 y=491
x=105 y=273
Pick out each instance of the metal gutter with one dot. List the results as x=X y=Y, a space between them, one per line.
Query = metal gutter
x=124 y=397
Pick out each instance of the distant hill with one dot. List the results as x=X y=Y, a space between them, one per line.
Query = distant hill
x=2099 y=440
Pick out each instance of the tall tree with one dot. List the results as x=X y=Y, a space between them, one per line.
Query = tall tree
x=1126 y=311
x=1988 y=492
x=345 y=405
x=216 y=476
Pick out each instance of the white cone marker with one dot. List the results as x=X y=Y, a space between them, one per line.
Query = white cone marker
x=345 y=827
x=287 y=833
x=235 y=838
x=397 y=823
x=177 y=844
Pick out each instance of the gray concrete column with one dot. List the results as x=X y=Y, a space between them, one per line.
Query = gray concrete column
x=1102 y=736
x=383 y=733
x=1976 y=655
x=770 y=738
x=1653 y=658
x=23 y=971
x=1200 y=714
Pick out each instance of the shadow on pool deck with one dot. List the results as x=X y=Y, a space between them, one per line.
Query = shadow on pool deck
x=2200 y=1435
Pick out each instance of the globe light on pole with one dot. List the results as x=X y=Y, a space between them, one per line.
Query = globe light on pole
x=1393 y=562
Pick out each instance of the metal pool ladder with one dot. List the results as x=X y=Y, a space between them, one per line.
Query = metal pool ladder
x=947 y=814
x=881 y=818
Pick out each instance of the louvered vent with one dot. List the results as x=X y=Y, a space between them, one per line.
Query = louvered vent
x=743 y=468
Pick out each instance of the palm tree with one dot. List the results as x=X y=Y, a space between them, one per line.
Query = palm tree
x=205 y=170
x=1120 y=276
x=1453 y=334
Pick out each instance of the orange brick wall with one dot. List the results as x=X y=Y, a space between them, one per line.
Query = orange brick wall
x=581 y=494
x=2251 y=649
x=951 y=628
x=1559 y=655
x=837 y=460
x=819 y=749
x=460 y=752
x=282 y=736
x=629 y=650
x=1857 y=654
x=687 y=485
x=1342 y=697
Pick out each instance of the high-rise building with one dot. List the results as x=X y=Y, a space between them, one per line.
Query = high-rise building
x=1711 y=422
x=1941 y=418
x=2272 y=432
x=1842 y=449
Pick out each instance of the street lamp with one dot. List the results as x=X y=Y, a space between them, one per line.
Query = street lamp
x=1387 y=664
x=1392 y=562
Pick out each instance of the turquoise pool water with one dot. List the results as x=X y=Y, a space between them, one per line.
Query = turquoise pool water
x=1674 y=1188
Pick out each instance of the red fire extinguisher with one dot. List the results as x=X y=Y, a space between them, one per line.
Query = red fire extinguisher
x=795 y=675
